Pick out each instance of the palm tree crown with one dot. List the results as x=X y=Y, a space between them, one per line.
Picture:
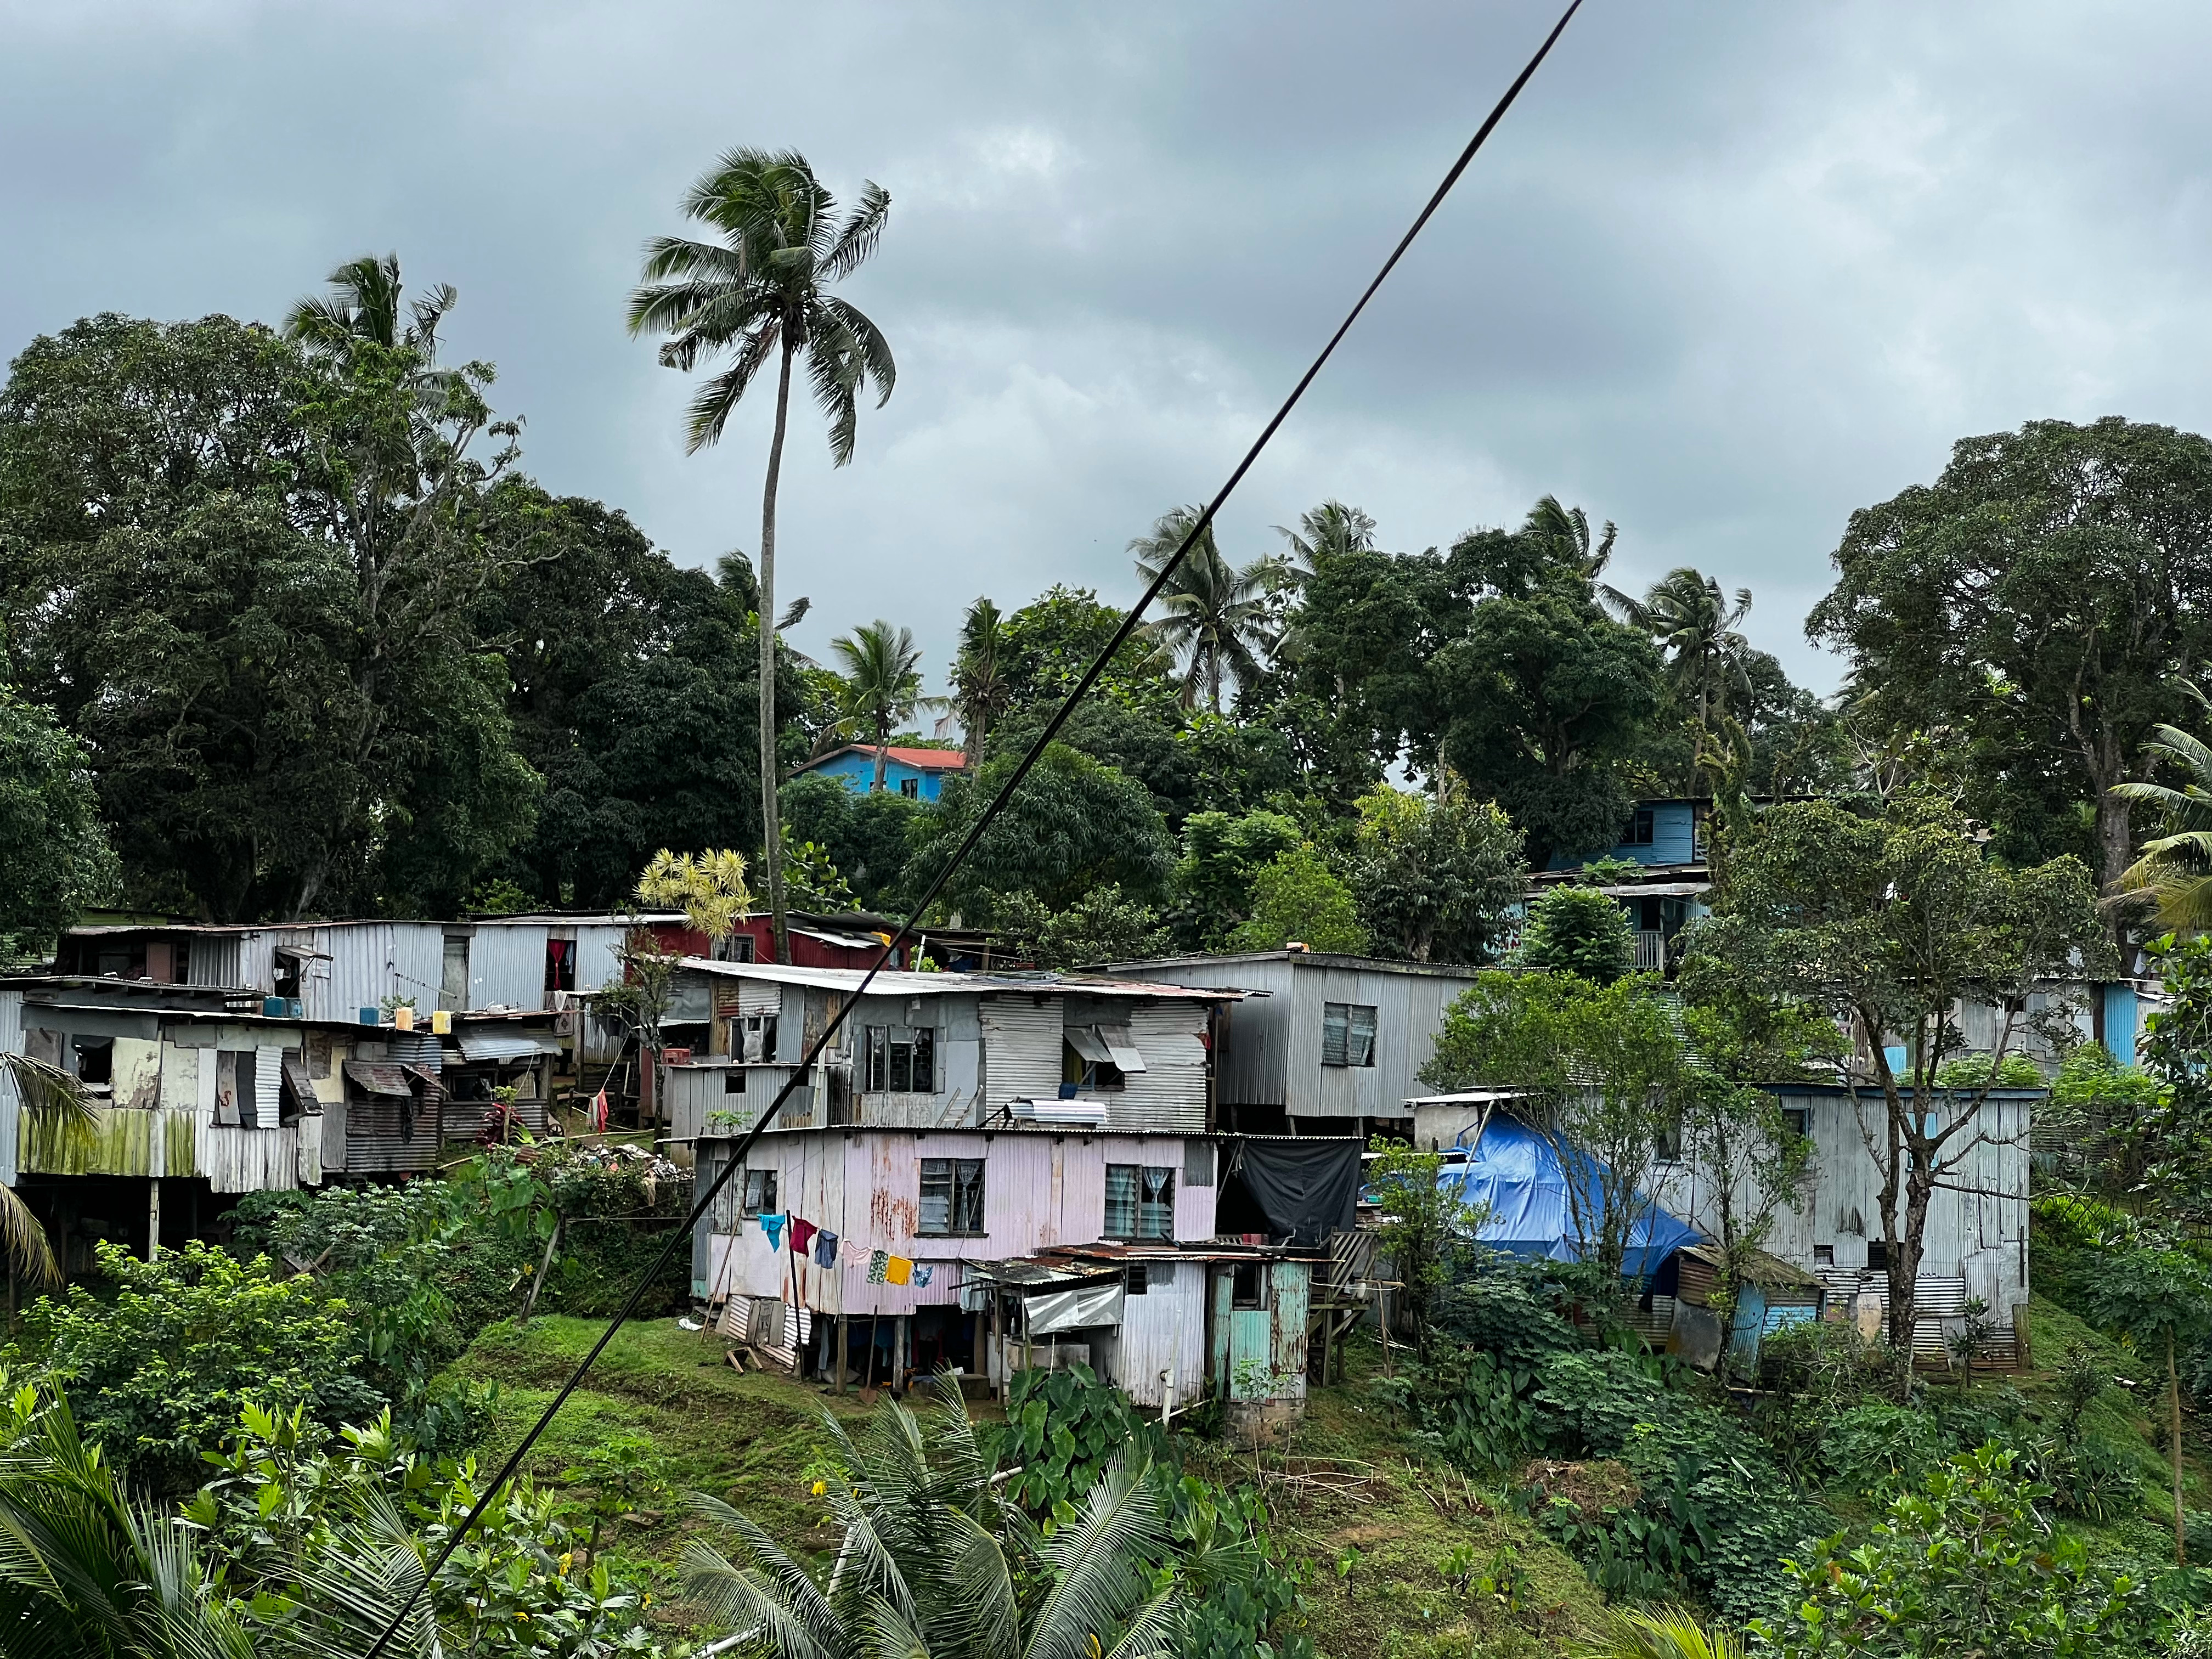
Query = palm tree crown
x=762 y=289
x=1215 y=618
x=1325 y=532
x=1567 y=529
x=2176 y=868
x=934 y=1561
x=1696 y=627
x=883 y=681
x=761 y=293
x=982 y=674
x=363 y=304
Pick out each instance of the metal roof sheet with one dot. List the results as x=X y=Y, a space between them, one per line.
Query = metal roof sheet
x=891 y=983
x=501 y=1045
x=379 y=1079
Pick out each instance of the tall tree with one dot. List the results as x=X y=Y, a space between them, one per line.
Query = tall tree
x=1072 y=826
x=882 y=681
x=59 y=857
x=1326 y=533
x=761 y=293
x=983 y=683
x=633 y=693
x=2039 y=597
x=243 y=577
x=1543 y=697
x=1436 y=876
x=1214 y=617
x=1695 y=627
x=1891 y=925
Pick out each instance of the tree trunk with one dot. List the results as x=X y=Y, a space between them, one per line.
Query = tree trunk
x=2173 y=1389
x=2115 y=842
x=770 y=768
x=882 y=745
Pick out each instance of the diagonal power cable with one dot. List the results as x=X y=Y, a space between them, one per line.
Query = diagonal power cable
x=968 y=843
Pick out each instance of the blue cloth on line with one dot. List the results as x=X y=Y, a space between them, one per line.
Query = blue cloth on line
x=773 y=1226
x=825 y=1248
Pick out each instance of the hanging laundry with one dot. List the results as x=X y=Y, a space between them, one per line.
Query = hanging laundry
x=898 y=1270
x=922 y=1276
x=600 y=1112
x=878 y=1262
x=802 y=1235
x=773 y=1226
x=825 y=1248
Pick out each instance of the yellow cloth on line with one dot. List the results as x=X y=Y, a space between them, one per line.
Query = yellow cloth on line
x=898 y=1270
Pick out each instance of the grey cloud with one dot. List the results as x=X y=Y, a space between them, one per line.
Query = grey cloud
x=1727 y=272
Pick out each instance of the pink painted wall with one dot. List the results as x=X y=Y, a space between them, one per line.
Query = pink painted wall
x=1039 y=1188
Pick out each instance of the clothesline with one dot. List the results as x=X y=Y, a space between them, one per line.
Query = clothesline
x=884 y=1268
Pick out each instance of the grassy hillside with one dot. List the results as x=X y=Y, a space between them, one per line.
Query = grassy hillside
x=1377 y=1530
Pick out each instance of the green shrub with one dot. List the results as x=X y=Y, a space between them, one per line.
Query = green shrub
x=1874 y=1447
x=1962 y=1566
x=1593 y=1401
x=159 y=1369
x=1972 y=1072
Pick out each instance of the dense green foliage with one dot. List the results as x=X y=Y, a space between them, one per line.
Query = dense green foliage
x=59 y=859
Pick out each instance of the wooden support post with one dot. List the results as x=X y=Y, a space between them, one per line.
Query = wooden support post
x=153 y=1217
x=898 y=1354
x=843 y=1339
x=998 y=1347
x=537 y=1284
x=978 y=1355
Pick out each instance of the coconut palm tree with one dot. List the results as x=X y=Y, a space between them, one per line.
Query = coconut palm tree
x=883 y=683
x=1215 y=618
x=363 y=304
x=2175 y=869
x=756 y=294
x=982 y=674
x=1323 y=534
x=934 y=1561
x=1567 y=531
x=1696 y=628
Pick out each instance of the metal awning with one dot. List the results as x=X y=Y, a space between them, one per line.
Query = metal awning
x=489 y=1046
x=379 y=1079
x=1084 y=1040
x=1121 y=1047
x=1072 y=1114
x=298 y=1092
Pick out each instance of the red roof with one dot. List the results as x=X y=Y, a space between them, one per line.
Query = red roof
x=922 y=760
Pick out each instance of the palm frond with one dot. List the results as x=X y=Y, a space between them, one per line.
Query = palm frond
x=862 y=230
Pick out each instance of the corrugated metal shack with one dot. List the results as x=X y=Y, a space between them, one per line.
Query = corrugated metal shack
x=198 y=1094
x=1327 y=1045
x=963 y=1118
x=1976 y=1243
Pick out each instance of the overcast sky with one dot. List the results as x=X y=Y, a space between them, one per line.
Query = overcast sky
x=1726 y=273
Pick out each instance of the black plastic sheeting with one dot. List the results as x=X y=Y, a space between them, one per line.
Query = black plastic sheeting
x=1305 y=1189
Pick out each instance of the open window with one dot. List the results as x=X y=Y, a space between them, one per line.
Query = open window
x=760 y=1191
x=93 y=1059
x=453 y=982
x=1249 y=1288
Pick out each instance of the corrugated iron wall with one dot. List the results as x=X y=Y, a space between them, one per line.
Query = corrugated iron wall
x=1163 y=1330
x=11 y=1043
x=215 y=958
x=1022 y=1039
x=1169 y=1094
x=507 y=964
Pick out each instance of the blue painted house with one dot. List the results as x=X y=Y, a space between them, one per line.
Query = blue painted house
x=1658 y=832
x=917 y=774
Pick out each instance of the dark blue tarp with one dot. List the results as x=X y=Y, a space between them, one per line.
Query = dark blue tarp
x=1518 y=1175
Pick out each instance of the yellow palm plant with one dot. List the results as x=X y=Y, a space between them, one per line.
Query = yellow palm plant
x=709 y=888
x=2175 y=869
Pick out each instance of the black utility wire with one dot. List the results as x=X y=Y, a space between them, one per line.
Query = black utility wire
x=1129 y=624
